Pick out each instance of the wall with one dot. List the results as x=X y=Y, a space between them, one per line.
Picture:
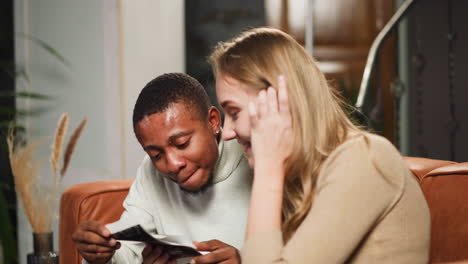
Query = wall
x=153 y=37
x=113 y=48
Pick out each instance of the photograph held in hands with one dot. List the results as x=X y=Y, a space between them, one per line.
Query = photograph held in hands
x=178 y=247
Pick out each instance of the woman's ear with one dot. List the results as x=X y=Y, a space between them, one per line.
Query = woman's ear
x=214 y=120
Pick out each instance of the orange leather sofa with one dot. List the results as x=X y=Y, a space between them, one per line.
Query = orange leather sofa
x=444 y=184
x=99 y=201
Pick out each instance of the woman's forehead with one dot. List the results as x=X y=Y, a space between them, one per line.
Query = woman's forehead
x=228 y=85
x=231 y=92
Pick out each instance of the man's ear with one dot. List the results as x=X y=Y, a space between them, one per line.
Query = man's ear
x=214 y=120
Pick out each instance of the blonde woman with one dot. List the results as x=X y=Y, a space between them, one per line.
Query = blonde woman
x=324 y=190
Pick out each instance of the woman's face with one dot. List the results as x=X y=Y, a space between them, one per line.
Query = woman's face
x=234 y=96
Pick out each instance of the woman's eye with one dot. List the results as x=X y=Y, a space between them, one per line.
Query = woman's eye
x=234 y=115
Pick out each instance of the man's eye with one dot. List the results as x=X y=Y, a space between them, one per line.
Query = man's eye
x=183 y=145
x=156 y=157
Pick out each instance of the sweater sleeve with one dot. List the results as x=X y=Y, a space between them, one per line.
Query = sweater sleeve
x=137 y=209
x=350 y=198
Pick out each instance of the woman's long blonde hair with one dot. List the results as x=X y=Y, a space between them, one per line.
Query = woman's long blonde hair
x=256 y=58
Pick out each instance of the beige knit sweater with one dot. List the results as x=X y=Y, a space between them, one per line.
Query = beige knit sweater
x=368 y=208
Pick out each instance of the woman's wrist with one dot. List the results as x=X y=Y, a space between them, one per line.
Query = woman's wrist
x=267 y=167
x=269 y=179
x=266 y=200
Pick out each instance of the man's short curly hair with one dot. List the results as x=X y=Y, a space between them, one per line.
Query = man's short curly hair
x=158 y=95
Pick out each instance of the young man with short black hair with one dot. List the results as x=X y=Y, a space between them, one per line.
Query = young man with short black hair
x=191 y=183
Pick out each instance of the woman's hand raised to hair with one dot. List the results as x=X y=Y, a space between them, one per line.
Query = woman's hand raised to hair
x=271 y=140
x=271 y=124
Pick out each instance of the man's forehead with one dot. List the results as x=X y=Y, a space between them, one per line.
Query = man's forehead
x=186 y=109
x=173 y=113
x=174 y=119
x=160 y=128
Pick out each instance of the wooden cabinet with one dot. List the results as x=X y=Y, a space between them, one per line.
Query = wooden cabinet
x=343 y=33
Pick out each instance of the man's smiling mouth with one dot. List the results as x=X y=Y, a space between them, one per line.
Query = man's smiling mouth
x=186 y=178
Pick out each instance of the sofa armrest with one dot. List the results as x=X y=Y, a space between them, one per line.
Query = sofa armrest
x=422 y=166
x=444 y=184
x=97 y=201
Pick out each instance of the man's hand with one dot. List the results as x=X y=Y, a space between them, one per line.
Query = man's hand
x=155 y=255
x=219 y=253
x=94 y=242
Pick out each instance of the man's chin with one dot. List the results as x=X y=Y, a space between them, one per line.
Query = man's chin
x=198 y=189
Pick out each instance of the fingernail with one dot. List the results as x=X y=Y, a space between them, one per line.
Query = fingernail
x=112 y=242
x=105 y=232
x=192 y=262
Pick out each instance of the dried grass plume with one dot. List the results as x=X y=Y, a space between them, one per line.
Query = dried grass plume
x=38 y=199
x=38 y=206
x=71 y=147
x=58 y=141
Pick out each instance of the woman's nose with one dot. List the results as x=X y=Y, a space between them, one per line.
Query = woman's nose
x=228 y=130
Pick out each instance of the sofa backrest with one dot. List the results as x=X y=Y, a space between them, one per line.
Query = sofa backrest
x=445 y=186
x=98 y=201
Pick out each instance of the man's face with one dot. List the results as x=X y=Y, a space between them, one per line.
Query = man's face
x=181 y=146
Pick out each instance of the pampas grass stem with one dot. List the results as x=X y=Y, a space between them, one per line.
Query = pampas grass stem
x=38 y=201
x=71 y=147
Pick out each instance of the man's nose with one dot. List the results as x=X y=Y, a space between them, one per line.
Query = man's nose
x=228 y=130
x=175 y=162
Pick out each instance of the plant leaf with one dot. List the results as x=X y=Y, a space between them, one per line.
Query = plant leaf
x=13 y=111
x=46 y=47
x=15 y=126
x=24 y=94
x=21 y=73
x=9 y=68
